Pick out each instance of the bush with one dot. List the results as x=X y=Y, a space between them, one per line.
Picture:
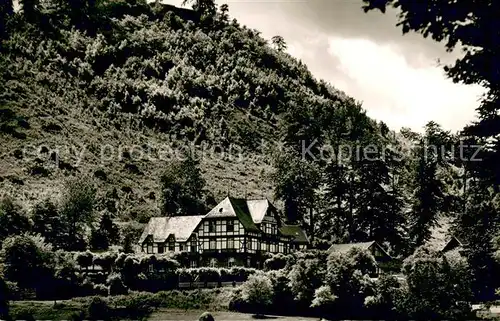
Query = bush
x=305 y=277
x=4 y=299
x=348 y=282
x=438 y=287
x=105 y=260
x=207 y=274
x=101 y=290
x=257 y=291
x=283 y=301
x=84 y=259
x=140 y=305
x=206 y=316
x=116 y=286
x=98 y=309
x=276 y=262
x=388 y=298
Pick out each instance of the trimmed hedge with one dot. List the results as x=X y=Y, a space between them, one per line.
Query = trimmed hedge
x=206 y=274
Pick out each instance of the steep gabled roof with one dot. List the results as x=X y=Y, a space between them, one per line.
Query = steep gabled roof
x=258 y=209
x=295 y=231
x=453 y=243
x=243 y=212
x=181 y=227
x=234 y=207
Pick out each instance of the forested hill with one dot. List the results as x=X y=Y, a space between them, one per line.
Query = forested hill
x=106 y=90
x=128 y=73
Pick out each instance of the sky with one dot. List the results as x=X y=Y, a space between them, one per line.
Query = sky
x=396 y=77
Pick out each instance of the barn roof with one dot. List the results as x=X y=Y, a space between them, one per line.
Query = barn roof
x=181 y=227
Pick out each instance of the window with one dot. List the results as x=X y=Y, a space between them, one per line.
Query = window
x=249 y=244
x=160 y=248
x=150 y=248
x=193 y=245
x=230 y=243
x=211 y=226
x=231 y=262
x=171 y=245
x=212 y=245
x=151 y=268
x=193 y=264
x=213 y=262
x=230 y=226
x=263 y=227
x=181 y=247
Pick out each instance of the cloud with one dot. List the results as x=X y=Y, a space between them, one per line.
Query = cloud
x=395 y=76
x=398 y=93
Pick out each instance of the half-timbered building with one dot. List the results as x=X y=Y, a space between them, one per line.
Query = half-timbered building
x=235 y=232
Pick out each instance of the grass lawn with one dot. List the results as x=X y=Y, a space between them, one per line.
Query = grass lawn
x=191 y=315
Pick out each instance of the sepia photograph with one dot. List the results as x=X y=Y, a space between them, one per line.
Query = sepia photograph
x=244 y=160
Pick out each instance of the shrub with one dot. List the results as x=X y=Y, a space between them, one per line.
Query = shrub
x=283 y=296
x=323 y=297
x=100 y=289
x=348 y=278
x=208 y=274
x=116 y=286
x=206 y=316
x=98 y=309
x=4 y=299
x=28 y=261
x=388 y=298
x=241 y=274
x=305 y=277
x=276 y=262
x=438 y=287
x=137 y=305
x=257 y=291
x=84 y=259
x=13 y=291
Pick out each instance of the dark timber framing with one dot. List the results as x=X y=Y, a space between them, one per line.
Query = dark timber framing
x=236 y=232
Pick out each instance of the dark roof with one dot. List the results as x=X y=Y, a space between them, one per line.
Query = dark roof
x=181 y=227
x=453 y=243
x=248 y=212
x=295 y=231
x=234 y=207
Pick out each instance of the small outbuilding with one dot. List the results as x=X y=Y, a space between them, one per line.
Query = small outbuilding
x=383 y=259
